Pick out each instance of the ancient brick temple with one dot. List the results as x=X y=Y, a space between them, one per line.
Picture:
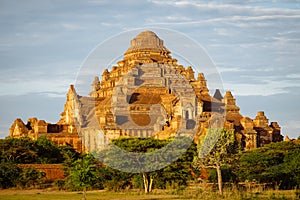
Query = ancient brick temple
x=148 y=94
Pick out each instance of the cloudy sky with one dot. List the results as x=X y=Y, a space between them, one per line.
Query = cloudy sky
x=255 y=45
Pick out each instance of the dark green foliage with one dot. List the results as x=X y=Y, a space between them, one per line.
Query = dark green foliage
x=218 y=148
x=228 y=175
x=30 y=177
x=47 y=151
x=68 y=155
x=14 y=151
x=84 y=174
x=140 y=145
x=41 y=151
x=18 y=150
x=115 y=180
x=276 y=163
x=136 y=155
x=60 y=184
x=291 y=165
x=179 y=171
x=11 y=175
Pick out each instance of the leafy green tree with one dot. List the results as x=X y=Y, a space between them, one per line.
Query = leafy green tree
x=291 y=165
x=27 y=151
x=116 y=180
x=153 y=160
x=30 y=177
x=276 y=163
x=9 y=175
x=68 y=155
x=216 y=149
x=18 y=150
x=24 y=150
x=228 y=174
x=47 y=151
x=83 y=174
x=115 y=157
x=179 y=172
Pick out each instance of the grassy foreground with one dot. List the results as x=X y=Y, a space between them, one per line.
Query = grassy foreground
x=138 y=195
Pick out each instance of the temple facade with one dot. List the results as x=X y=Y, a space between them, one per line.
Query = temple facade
x=148 y=94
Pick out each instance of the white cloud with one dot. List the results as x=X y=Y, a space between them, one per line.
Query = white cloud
x=221 y=68
x=52 y=78
x=20 y=87
x=223 y=7
x=111 y=24
x=293 y=76
x=263 y=86
x=72 y=26
x=238 y=21
x=253 y=38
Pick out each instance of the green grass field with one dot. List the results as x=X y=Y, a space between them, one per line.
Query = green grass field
x=91 y=195
x=138 y=195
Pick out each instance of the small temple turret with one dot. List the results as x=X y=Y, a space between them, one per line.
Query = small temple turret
x=18 y=129
x=250 y=139
x=231 y=109
x=95 y=87
x=261 y=120
x=218 y=95
x=71 y=114
x=202 y=83
x=276 y=134
x=189 y=73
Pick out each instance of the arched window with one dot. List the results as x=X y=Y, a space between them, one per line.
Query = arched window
x=187 y=116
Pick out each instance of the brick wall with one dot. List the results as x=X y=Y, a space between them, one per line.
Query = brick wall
x=53 y=171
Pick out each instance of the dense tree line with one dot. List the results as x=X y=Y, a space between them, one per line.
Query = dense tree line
x=14 y=151
x=276 y=163
x=174 y=174
x=11 y=175
x=84 y=172
x=41 y=151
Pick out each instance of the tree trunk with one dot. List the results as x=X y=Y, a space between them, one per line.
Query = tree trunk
x=150 y=184
x=145 y=178
x=84 y=193
x=220 y=183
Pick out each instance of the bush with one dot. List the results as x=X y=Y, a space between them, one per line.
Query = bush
x=275 y=163
x=227 y=175
x=9 y=175
x=30 y=177
x=60 y=184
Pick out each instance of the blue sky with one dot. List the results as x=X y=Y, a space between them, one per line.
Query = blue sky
x=255 y=45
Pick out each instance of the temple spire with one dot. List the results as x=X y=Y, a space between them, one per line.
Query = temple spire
x=147 y=46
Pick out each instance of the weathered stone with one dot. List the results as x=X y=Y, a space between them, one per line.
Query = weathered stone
x=18 y=129
x=148 y=94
